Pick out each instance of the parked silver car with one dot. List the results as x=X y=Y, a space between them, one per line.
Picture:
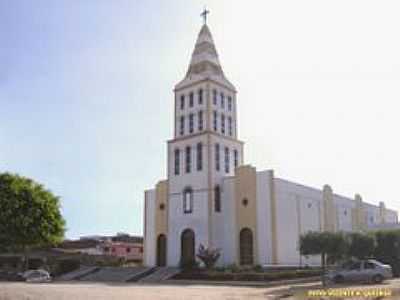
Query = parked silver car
x=38 y=276
x=362 y=271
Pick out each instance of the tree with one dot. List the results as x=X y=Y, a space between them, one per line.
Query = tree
x=331 y=246
x=361 y=245
x=29 y=214
x=387 y=248
x=208 y=256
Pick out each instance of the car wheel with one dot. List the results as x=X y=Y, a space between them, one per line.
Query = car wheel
x=377 y=278
x=338 y=279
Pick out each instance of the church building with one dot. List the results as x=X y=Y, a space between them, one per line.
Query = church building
x=211 y=197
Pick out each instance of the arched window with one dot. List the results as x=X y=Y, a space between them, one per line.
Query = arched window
x=191 y=120
x=191 y=99
x=188 y=200
x=182 y=101
x=217 y=159
x=199 y=156
x=215 y=116
x=246 y=246
x=230 y=103
x=236 y=157
x=226 y=160
x=230 y=126
x=182 y=125
x=200 y=97
x=200 y=120
x=222 y=123
x=177 y=153
x=188 y=158
x=217 y=199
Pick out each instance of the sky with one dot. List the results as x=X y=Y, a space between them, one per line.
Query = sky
x=86 y=95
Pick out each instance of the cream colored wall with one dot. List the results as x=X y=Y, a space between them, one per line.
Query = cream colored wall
x=358 y=214
x=161 y=216
x=246 y=216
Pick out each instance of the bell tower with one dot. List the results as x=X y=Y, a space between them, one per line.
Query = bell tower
x=203 y=151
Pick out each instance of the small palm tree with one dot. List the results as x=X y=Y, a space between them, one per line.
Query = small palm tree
x=208 y=256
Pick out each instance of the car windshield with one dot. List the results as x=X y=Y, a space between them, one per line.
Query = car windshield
x=375 y=262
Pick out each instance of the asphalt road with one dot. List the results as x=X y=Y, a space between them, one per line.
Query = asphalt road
x=88 y=291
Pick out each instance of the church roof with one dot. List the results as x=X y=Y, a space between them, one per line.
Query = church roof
x=204 y=63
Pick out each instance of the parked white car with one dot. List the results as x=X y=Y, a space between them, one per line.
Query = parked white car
x=37 y=276
x=366 y=270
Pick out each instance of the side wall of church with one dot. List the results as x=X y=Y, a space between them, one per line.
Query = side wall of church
x=344 y=210
x=298 y=211
x=391 y=216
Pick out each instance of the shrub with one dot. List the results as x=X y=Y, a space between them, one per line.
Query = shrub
x=258 y=268
x=208 y=256
x=388 y=249
x=233 y=268
x=360 y=245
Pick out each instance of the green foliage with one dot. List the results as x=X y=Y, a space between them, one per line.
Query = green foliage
x=388 y=248
x=360 y=245
x=383 y=245
x=258 y=268
x=29 y=214
x=330 y=244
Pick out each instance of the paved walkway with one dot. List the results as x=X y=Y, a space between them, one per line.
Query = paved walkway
x=103 y=291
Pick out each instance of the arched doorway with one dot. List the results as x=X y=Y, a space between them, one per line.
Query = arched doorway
x=187 y=247
x=246 y=247
x=161 y=250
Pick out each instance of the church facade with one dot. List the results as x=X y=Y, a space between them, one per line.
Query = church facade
x=211 y=197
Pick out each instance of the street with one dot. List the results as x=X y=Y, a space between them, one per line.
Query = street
x=87 y=291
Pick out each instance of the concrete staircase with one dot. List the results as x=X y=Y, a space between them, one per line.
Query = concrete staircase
x=77 y=274
x=115 y=274
x=160 y=274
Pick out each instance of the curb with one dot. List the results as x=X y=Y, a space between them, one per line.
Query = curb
x=243 y=283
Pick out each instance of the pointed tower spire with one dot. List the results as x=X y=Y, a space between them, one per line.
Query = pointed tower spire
x=205 y=56
x=204 y=63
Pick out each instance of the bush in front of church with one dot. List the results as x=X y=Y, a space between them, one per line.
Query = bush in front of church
x=208 y=256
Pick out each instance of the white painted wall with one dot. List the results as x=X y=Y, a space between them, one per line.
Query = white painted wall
x=149 y=255
x=344 y=212
x=263 y=206
x=391 y=217
x=298 y=210
x=225 y=225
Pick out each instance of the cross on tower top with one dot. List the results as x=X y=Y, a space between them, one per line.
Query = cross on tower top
x=204 y=15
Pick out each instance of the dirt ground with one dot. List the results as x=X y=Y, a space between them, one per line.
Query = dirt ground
x=88 y=291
